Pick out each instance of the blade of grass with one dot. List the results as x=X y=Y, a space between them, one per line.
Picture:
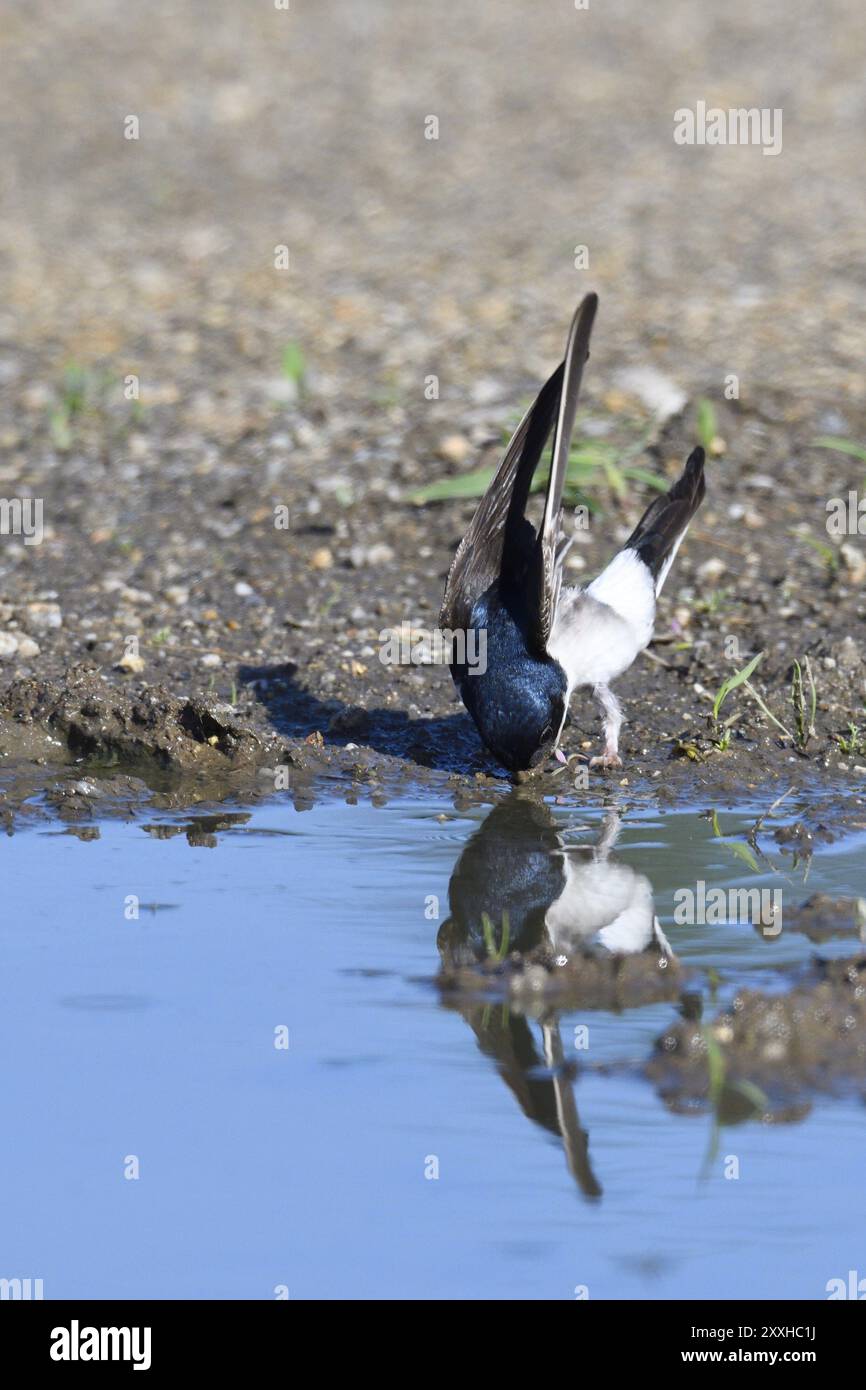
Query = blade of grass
x=768 y=712
x=742 y=852
x=828 y=553
x=465 y=485
x=738 y=678
x=706 y=423
x=842 y=446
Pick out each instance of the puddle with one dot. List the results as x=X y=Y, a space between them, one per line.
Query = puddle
x=486 y=1132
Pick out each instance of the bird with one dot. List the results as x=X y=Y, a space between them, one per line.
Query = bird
x=559 y=897
x=532 y=639
x=521 y=884
x=604 y=902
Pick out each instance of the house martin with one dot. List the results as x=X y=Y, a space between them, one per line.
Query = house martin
x=544 y=640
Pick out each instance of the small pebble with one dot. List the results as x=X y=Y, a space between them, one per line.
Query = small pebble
x=43 y=615
x=454 y=448
x=133 y=664
x=854 y=561
x=711 y=569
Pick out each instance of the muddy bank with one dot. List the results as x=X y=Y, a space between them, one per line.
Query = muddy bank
x=227 y=453
x=276 y=643
x=287 y=629
x=811 y=1038
x=537 y=982
x=184 y=748
x=767 y=1054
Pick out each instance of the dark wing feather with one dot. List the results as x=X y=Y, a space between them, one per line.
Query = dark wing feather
x=479 y=557
x=664 y=521
x=546 y=570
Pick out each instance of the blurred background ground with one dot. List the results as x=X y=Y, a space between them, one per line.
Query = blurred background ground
x=410 y=257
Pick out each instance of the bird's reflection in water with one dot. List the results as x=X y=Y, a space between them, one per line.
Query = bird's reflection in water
x=519 y=886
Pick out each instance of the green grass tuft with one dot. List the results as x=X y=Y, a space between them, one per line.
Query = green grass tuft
x=706 y=423
x=596 y=471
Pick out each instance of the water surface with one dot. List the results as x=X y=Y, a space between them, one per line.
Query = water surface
x=151 y=1041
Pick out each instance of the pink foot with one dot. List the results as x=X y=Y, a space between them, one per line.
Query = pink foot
x=609 y=758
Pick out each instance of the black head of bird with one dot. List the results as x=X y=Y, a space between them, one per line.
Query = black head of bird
x=537 y=641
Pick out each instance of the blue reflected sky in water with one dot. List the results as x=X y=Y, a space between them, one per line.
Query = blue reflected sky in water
x=262 y=1167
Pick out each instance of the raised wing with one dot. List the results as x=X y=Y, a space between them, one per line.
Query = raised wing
x=547 y=571
x=479 y=556
x=496 y=542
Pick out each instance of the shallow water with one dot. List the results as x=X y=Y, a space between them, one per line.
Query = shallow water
x=154 y=1039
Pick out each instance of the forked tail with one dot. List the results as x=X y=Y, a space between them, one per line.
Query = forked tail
x=658 y=534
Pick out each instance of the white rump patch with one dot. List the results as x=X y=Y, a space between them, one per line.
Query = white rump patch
x=598 y=631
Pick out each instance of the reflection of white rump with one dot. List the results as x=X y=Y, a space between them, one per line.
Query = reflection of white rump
x=608 y=903
x=604 y=903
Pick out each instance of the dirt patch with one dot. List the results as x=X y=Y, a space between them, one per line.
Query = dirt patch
x=588 y=980
x=234 y=346
x=294 y=657
x=812 y=1038
x=87 y=720
x=226 y=451
x=824 y=918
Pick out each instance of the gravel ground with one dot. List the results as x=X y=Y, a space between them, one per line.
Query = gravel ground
x=154 y=258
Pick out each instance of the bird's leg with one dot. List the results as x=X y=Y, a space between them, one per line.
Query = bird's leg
x=662 y=940
x=608 y=836
x=612 y=724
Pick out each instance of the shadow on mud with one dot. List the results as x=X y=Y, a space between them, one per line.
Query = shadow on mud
x=447 y=743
